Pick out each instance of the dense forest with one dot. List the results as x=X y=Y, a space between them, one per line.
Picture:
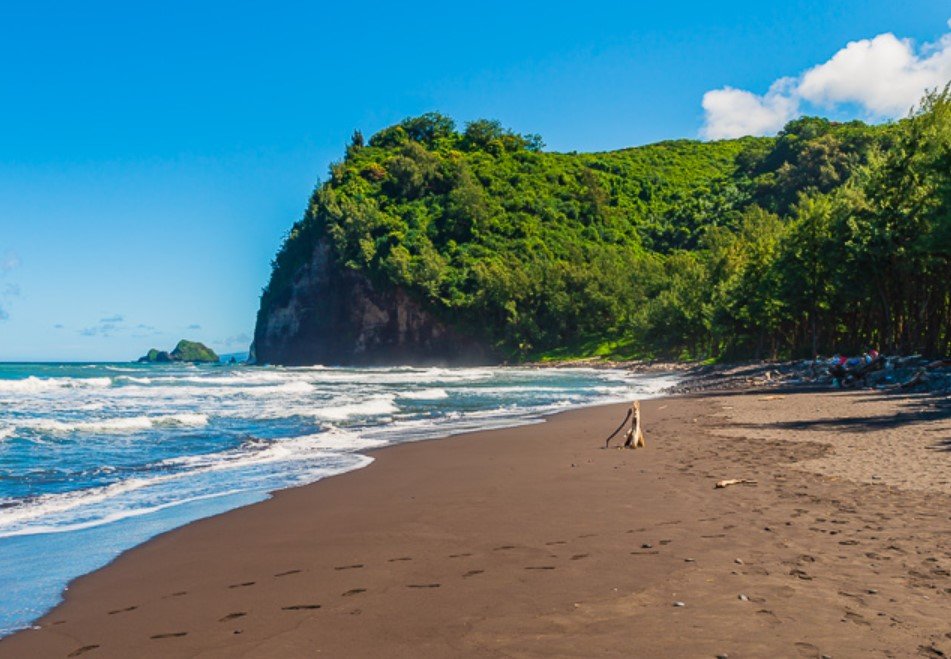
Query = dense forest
x=827 y=237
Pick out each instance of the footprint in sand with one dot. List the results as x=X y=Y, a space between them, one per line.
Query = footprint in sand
x=423 y=585
x=503 y=547
x=578 y=557
x=472 y=573
x=540 y=567
x=244 y=584
x=232 y=616
x=354 y=591
x=128 y=608
x=772 y=617
x=83 y=650
x=300 y=607
x=858 y=619
x=289 y=572
x=807 y=649
x=401 y=558
x=556 y=542
x=355 y=566
x=459 y=555
x=169 y=635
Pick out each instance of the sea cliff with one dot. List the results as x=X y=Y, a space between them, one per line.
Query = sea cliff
x=336 y=316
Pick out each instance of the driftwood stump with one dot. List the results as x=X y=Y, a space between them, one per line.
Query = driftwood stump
x=634 y=436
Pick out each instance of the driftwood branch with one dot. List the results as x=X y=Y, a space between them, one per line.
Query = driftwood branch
x=634 y=436
x=734 y=481
x=611 y=436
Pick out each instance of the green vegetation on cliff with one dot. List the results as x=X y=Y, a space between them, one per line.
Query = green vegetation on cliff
x=828 y=237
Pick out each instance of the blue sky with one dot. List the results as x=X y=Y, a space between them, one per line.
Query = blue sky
x=153 y=155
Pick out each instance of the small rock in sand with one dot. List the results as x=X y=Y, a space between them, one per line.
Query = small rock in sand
x=679 y=604
x=646 y=545
x=738 y=561
x=744 y=598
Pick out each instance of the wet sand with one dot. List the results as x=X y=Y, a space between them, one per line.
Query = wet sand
x=535 y=541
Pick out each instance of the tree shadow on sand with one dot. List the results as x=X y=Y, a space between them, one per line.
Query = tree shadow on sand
x=918 y=408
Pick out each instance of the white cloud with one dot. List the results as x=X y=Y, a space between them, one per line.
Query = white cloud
x=884 y=77
x=734 y=112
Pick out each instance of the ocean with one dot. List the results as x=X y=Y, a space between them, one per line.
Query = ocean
x=97 y=458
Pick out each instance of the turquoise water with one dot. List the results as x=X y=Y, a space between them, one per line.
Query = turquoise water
x=96 y=458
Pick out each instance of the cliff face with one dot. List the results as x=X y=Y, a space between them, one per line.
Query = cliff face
x=335 y=316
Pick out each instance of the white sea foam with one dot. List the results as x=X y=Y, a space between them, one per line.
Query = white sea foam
x=90 y=507
x=314 y=448
x=294 y=387
x=51 y=505
x=116 y=425
x=108 y=518
x=397 y=376
x=377 y=406
x=425 y=394
x=33 y=384
x=7 y=431
x=133 y=379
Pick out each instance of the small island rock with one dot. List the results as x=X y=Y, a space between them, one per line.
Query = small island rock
x=185 y=351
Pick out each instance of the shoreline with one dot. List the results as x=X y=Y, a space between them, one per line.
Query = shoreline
x=29 y=590
x=370 y=520
x=492 y=424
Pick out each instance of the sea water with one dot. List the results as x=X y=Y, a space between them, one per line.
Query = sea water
x=96 y=458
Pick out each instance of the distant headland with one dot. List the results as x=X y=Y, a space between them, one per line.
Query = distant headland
x=431 y=245
x=185 y=351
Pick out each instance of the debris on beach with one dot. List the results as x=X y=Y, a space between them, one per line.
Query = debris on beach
x=887 y=373
x=734 y=481
x=634 y=436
